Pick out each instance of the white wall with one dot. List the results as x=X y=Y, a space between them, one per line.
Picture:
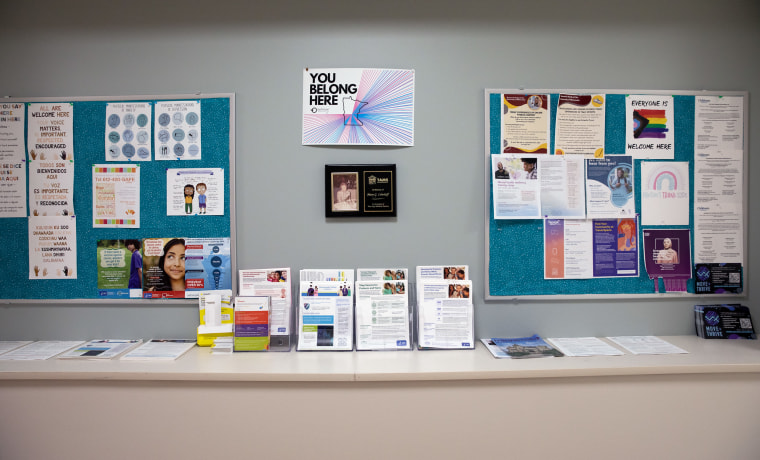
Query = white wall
x=258 y=50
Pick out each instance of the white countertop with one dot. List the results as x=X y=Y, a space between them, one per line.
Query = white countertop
x=704 y=357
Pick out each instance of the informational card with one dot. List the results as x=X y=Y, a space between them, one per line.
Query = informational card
x=609 y=187
x=50 y=140
x=197 y=192
x=52 y=248
x=563 y=191
x=119 y=265
x=649 y=127
x=128 y=131
x=349 y=106
x=718 y=278
x=516 y=195
x=580 y=125
x=665 y=193
x=207 y=265
x=525 y=123
x=178 y=130
x=275 y=283
x=116 y=196
x=12 y=160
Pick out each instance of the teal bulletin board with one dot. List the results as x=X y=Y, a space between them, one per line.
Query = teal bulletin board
x=514 y=262
x=89 y=115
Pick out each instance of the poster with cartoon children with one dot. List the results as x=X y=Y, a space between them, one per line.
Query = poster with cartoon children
x=195 y=191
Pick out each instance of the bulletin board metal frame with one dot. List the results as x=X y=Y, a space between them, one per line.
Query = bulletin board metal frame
x=516 y=268
x=217 y=150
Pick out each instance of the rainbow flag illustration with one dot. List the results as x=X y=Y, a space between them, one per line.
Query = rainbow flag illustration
x=649 y=124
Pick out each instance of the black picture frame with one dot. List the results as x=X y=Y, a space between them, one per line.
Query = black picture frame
x=361 y=190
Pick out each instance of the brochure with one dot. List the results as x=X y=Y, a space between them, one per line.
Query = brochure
x=325 y=310
x=445 y=314
x=647 y=345
x=275 y=283
x=160 y=349
x=584 y=346
x=251 y=331
x=101 y=349
x=526 y=347
x=382 y=315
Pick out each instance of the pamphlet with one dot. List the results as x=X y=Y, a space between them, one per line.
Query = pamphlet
x=325 y=310
x=382 y=315
x=646 y=345
x=251 y=331
x=44 y=349
x=526 y=347
x=584 y=346
x=101 y=349
x=160 y=349
x=9 y=345
x=275 y=283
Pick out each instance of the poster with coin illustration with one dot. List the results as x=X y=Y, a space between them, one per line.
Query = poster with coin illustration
x=128 y=131
x=178 y=130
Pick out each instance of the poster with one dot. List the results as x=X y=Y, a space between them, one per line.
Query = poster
x=116 y=196
x=525 y=123
x=50 y=142
x=563 y=192
x=667 y=254
x=665 y=194
x=581 y=249
x=178 y=130
x=580 y=125
x=52 y=247
x=128 y=131
x=609 y=187
x=516 y=186
x=568 y=249
x=718 y=180
x=616 y=248
x=649 y=127
x=350 y=106
x=163 y=268
x=119 y=268
x=195 y=192
x=12 y=160
x=207 y=265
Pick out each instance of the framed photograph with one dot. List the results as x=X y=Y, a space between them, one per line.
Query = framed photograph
x=360 y=190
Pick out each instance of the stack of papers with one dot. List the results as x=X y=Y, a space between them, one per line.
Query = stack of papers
x=44 y=349
x=521 y=348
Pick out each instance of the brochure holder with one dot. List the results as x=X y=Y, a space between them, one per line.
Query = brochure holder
x=283 y=342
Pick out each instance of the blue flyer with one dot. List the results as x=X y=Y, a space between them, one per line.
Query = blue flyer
x=207 y=265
